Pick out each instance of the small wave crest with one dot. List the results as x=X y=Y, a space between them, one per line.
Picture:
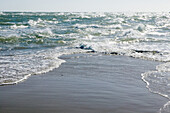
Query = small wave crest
x=164 y=67
x=165 y=108
x=159 y=82
x=19 y=67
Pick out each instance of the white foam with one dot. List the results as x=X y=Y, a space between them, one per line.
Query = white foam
x=20 y=67
x=86 y=25
x=164 y=67
x=16 y=27
x=129 y=46
x=33 y=23
x=157 y=34
x=1 y=13
x=165 y=108
x=158 y=82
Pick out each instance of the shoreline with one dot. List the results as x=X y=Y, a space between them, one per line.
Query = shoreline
x=85 y=83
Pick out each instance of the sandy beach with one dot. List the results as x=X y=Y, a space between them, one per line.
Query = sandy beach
x=88 y=83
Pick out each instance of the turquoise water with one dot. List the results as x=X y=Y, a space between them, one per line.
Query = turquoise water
x=31 y=42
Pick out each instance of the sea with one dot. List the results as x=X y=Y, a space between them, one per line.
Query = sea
x=32 y=42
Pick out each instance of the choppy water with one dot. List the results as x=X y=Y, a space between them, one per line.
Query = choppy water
x=30 y=43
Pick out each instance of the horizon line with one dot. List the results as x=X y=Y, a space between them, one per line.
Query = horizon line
x=87 y=11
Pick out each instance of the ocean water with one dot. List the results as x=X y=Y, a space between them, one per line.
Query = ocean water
x=31 y=43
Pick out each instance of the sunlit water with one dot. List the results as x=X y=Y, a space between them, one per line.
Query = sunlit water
x=31 y=43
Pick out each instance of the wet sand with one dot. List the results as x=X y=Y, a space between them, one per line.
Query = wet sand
x=85 y=84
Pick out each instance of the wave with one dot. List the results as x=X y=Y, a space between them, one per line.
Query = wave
x=18 y=67
x=165 y=108
x=33 y=42
x=158 y=82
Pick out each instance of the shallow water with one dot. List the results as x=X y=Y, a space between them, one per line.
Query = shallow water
x=30 y=42
x=85 y=83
